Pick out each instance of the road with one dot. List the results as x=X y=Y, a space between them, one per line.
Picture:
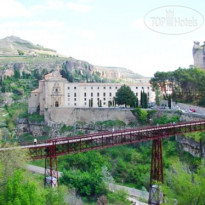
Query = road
x=39 y=170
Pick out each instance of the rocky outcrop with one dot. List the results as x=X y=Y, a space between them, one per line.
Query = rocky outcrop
x=34 y=128
x=196 y=149
x=199 y=55
x=73 y=64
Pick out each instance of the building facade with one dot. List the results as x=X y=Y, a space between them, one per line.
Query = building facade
x=55 y=91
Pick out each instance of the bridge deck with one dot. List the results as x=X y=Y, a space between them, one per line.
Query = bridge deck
x=101 y=140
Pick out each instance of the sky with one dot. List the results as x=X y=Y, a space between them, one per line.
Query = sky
x=110 y=32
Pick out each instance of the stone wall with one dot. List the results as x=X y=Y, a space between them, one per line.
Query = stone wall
x=69 y=116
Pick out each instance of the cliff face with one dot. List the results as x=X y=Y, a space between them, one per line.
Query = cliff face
x=27 y=64
x=196 y=149
x=199 y=55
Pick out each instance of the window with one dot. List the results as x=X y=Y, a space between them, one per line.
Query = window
x=75 y=104
x=75 y=95
x=85 y=99
x=91 y=88
x=110 y=94
x=104 y=87
x=136 y=94
x=56 y=89
x=74 y=88
x=91 y=94
x=136 y=87
x=98 y=88
x=104 y=98
x=115 y=87
x=85 y=88
x=104 y=103
x=85 y=103
x=68 y=88
x=110 y=87
x=98 y=94
x=74 y=99
x=104 y=94
x=68 y=94
x=147 y=88
x=84 y=94
x=142 y=88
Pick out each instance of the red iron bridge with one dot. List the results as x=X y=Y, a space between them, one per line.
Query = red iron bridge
x=51 y=149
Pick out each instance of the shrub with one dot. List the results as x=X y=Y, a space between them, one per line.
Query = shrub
x=35 y=117
x=141 y=115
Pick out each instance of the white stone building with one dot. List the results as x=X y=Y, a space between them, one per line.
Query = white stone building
x=55 y=91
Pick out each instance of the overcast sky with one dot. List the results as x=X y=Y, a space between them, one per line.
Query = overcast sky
x=106 y=32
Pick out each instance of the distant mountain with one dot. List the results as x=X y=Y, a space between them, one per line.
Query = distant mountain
x=13 y=45
x=38 y=57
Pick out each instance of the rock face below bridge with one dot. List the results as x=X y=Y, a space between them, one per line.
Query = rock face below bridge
x=196 y=149
x=198 y=55
x=69 y=116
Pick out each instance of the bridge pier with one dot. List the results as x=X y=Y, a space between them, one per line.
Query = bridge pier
x=51 y=166
x=156 y=173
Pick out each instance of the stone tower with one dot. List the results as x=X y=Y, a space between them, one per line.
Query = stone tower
x=199 y=55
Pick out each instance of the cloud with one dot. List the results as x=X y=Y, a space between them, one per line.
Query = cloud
x=12 y=8
x=80 y=7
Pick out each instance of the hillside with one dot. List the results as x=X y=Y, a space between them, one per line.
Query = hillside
x=40 y=58
x=12 y=45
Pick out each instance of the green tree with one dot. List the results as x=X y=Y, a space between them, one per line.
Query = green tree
x=144 y=100
x=10 y=161
x=158 y=97
x=185 y=185
x=141 y=115
x=20 y=52
x=125 y=96
x=119 y=197
x=86 y=173
x=17 y=74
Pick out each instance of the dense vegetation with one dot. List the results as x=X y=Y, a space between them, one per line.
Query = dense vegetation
x=129 y=165
x=187 y=84
x=19 y=187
